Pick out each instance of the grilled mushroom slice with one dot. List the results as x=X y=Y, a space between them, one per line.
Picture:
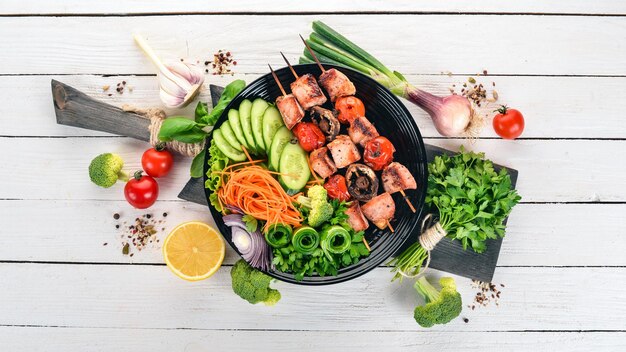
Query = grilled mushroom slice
x=362 y=182
x=326 y=121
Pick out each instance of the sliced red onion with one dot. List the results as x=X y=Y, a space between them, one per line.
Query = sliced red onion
x=251 y=245
x=234 y=209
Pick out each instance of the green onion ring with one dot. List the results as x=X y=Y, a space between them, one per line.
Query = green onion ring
x=278 y=235
x=335 y=240
x=305 y=240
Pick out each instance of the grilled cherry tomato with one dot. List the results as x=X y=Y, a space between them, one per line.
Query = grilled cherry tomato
x=309 y=135
x=509 y=123
x=157 y=161
x=349 y=109
x=378 y=153
x=141 y=191
x=337 y=188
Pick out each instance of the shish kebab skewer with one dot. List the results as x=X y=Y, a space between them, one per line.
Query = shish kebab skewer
x=288 y=105
x=401 y=189
x=305 y=89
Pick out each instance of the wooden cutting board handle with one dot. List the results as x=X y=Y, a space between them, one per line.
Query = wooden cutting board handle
x=75 y=108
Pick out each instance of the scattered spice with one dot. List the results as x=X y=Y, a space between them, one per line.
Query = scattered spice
x=487 y=293
x=105 y=88
x=222 y=62
x=465 y=320
x=141 y=232
x=120 y=87
x=105 y=243
x=476 y=92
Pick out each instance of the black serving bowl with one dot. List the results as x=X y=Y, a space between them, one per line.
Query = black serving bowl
x=393 y=121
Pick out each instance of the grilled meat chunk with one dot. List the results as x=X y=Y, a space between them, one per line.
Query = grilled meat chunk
x=362 y=182
x=344 y=152
x=307 y=91
x=356 y=219
x=321 y=162
x=336 y=84
x=290 y=110
x=379 y=210
x=396 y=177
x=362 y=131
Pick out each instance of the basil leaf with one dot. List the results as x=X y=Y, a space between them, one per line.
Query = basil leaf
x=174 y=126
x=197 y=165
x=201 y=111
x=194 y=135
x=229 y=93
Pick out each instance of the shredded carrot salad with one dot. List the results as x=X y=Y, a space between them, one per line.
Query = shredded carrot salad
x=256 y=192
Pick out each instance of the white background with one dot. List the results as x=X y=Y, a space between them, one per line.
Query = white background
x=563 y=262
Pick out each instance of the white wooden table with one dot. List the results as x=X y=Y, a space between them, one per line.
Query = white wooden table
x=563 y=261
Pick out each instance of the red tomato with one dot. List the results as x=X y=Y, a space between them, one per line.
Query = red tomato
x=157 y=161
x=141 y=191
x=509 y=123
x=349 y=109
x=337 y=188
x=378 y=153
x=309 y=135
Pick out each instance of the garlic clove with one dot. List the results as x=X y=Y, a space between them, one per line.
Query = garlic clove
x=189 y=72
x=171 y=101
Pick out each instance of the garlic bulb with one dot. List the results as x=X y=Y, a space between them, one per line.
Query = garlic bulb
x=179 y=82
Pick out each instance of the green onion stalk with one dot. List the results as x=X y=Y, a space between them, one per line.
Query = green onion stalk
x=452 y=115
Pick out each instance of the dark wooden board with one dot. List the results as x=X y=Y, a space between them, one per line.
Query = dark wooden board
x=74 y=108
x=448 y=256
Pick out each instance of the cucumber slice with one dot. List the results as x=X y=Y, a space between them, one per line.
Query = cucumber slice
x=258 y=109
x=272 y=121
x=280 y=140
x=245 y=108
x=229 y=135
x=294 y=168
x=226 y=148
x=233 y=119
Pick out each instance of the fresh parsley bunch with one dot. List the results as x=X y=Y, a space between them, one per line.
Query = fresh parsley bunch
x=470 y=199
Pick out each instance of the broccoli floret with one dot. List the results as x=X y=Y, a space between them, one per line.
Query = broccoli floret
x=317 y=201
x=441 y=306
x=252 y=285
x=106 y=169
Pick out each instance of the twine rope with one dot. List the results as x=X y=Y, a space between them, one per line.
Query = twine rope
x=428 y=240
x=156 y=117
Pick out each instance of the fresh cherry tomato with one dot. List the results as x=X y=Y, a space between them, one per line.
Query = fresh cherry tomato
x=378 y=153
x=509 y=123
x=141 y=191
x=349 y=109
x=157 y=161
x=309 y=135
x=337 y=188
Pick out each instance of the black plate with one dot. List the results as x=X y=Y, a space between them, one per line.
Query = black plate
x=393 y=121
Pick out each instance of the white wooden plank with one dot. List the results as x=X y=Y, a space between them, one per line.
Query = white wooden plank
x=285 y=6
x=152 y=297
x=120 y=340
x=434 y=43
x=586 y=113
x=75 y=231
x=550 y=171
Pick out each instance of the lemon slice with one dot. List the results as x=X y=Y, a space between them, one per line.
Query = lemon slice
x=194 y=250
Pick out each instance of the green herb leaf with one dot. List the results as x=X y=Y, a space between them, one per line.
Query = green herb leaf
x=194 y=135
x=201 y=111
x=229 y=93
x=197 y=165
x=251 y=223
x=174 y=126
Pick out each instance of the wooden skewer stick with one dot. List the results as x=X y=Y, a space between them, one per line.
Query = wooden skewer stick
x=277 y=81
x=313 y=54
x=408 y=201
x=288 y=64
x=389 y=226
x=367 y=245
